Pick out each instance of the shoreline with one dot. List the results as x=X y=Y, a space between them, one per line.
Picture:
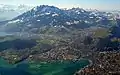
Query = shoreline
x=91 y=63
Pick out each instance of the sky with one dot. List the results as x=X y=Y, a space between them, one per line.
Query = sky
x=87 y=4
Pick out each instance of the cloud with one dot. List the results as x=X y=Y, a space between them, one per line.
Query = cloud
x=93 y=4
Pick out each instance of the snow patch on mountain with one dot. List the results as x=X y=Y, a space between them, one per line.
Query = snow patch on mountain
x=14 y=21
x=55 y=14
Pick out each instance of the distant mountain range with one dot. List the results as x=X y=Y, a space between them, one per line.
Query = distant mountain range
x=8 y=12
x=50 y=16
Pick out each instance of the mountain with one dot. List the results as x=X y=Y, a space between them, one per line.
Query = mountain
x=51 y=16
x=8 y=12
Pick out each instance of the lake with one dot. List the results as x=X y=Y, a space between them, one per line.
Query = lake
x=42 y=68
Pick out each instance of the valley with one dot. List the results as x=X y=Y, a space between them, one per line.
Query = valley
x=47 y=40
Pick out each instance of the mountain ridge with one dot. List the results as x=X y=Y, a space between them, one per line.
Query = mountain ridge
x=45 y=15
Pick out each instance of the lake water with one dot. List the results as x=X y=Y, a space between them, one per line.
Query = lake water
x=53 y=68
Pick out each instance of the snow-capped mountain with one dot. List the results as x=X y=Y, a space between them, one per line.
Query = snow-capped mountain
x=8 y=12
x=51 y=16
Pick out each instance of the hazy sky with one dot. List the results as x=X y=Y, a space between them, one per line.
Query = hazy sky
x=94 y=4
